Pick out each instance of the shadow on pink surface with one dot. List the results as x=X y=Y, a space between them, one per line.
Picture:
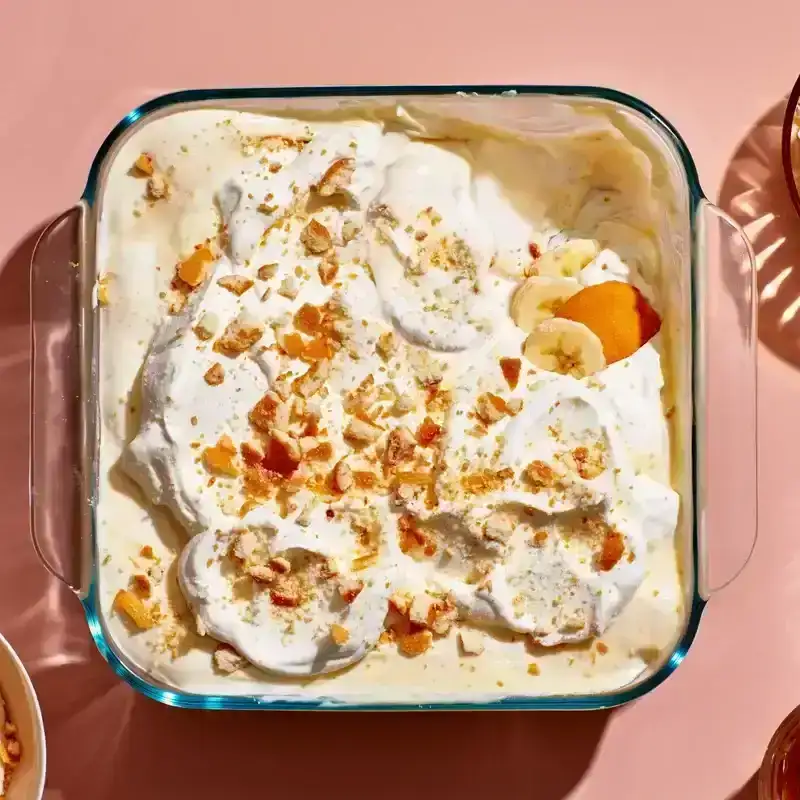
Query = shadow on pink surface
x=754 y=192
x=749 y=791
x=106 y=741
x=137 y=744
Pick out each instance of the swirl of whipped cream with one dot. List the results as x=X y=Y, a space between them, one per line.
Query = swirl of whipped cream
x=180 y=409
x=298 y=623
x=255 y=198
x=430 y=251
x=531 y=556
x=553 y=581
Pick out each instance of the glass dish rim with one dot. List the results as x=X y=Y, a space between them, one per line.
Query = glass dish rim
x=786 y=145
x=611 y=699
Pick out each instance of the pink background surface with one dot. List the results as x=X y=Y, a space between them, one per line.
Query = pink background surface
x=71 y=70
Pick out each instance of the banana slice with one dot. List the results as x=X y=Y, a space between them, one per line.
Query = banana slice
x=538 y=299
x=564 y=346
x=566 y=260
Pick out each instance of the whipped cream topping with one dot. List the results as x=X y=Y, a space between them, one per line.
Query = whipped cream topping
x=282 y=639
x=429 y=240
x=432 y=253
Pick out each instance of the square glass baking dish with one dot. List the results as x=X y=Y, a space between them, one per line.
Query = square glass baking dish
x=710 y=354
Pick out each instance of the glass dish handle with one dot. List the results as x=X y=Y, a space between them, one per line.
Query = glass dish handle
x=59 y=505
x=726 y=404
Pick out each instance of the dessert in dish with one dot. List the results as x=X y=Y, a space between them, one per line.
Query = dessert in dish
x=10 y=749
x=378 y=393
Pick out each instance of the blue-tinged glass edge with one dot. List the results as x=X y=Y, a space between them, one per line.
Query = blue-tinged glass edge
x=555 y=702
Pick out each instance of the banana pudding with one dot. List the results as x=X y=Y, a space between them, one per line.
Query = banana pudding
x=383 y=392
x=10 y=749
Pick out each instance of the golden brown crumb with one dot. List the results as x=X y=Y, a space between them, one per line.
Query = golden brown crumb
x=281 y=565
x=574 y=622
x=339 y=634
x=511 y=368
x=308 y=384
x=316 y=238
x=361 y=432
x=227 y=660
x=337 y=177
x=386 y=637
x=261 y=574
x=364 y=562
x=349 y=231
x=365 y=479
x=308 y=319
x=428 y=432
x=490 y=408
x=400 y=603
x=415 y=644
x=602 y=648
x=221 y=457
x=144 y=164
x=362 y=397
x=349 y=589
x=283 y=454
x=540 y=475
x=386 y=346
x=400 y=446
x=612 y=551
x=240 y=335
x=289 y=287
x=192 y=271
x=342 y=477
x=436 y=399
x=129 y=604
x=237 y=284
x=214 y=375
x=322 y=452
x=207 y=326
x=267 y=271
x=260 y=482
x=422 y=609
x=292 y=344
x=328 y=269
x=589 y=463
x=533 y=669
x=514 y=406
x=411 y=538
x=157 y=187
x=268 y=412
x=252 y=453
x=287 y=596
x=486 y=480
x=442 y=617
x=140 y=583
x=243 y=545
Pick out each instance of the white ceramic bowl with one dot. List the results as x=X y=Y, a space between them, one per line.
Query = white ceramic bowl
x=22 y=707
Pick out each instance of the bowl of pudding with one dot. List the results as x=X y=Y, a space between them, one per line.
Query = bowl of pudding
x=22 y=741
